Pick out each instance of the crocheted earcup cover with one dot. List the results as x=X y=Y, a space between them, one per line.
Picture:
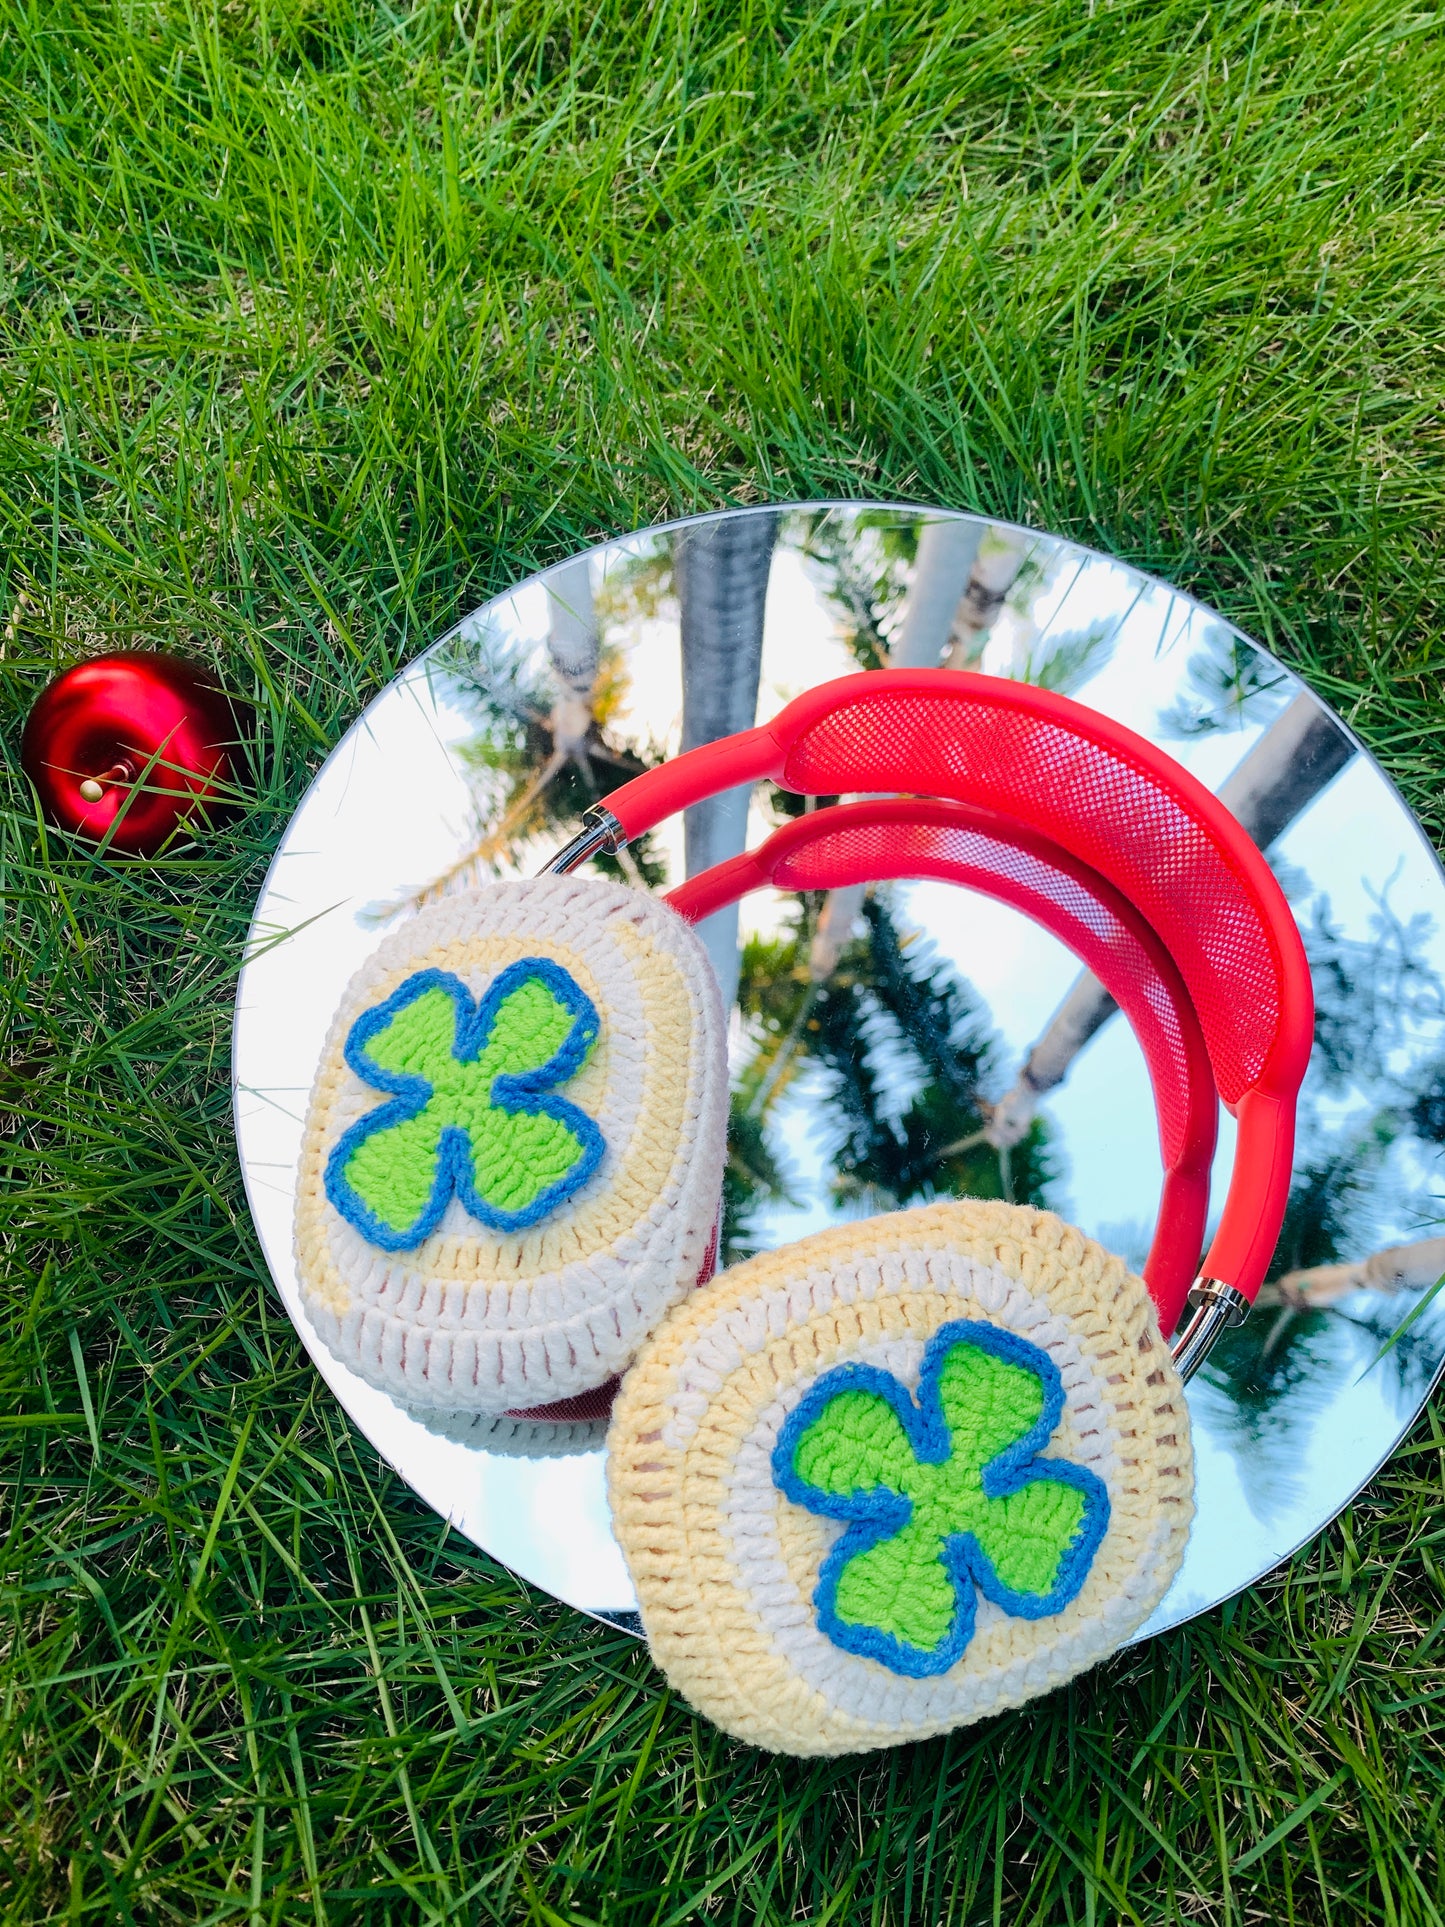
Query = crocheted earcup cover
x=899 y=1476
x=514 y=1148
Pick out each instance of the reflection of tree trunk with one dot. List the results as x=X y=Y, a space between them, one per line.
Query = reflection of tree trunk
x=1074 y=1023
x=1399 y=1268
x=573 y=648
x=953 y=602
x=947 y=552
x=988 y=585
x=841 y=910
x=1287 y=768
x=721 y=570
x=572 y=645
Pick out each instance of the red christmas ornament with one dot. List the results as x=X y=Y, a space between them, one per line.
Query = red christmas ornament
x=133 y=740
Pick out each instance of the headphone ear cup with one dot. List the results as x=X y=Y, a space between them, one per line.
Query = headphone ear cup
x=514 y=1148
x=900 y=1476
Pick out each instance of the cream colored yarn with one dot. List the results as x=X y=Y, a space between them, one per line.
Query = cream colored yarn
x=725 y=1566
x=475 y=1320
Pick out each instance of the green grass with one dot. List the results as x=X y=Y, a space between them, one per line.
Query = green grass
x=321 y=321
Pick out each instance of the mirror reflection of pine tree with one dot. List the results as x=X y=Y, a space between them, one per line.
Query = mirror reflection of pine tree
x=1375 y=997
x=908 y=1062
x=1427 y=1113
x=1336 y=1303
x=1291 y=1356
x=1335 y=1198
x=753 y=1177
x=545 y=735
x=1287 y=1364
x=861 y=571
x=1226 y=686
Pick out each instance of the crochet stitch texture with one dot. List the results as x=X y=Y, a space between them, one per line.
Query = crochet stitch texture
x=728 y=1566
x=482 y=1317
x=942 y=1498
x=473 y=1112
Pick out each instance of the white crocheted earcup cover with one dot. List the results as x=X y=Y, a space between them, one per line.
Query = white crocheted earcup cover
x=514 y=1147
x=899 y=1476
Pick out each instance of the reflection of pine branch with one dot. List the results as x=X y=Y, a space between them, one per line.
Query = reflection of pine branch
x=638 y=585
x=855 y=599
x=1267 y=1378
x=1370 y=996
x=1427 y=1111
x=753 y=1178
x=783 y=1055
x=1287 y=768
x=931 y=1009
x=1405 y=1345
x=484 y=671
x=1063 y=663
x=908 y=1057
x=1224 y=690
x=1271 y=1379
x=546 y=734
x=773 y=994
x=1288 y=1361
x=860 y=567
x=1412 y=1267
x=1334 y=1199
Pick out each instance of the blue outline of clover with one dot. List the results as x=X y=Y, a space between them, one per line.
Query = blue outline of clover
x=876 y=1515
x=518 y=1092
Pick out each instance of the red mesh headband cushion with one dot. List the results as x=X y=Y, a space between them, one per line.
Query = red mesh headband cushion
x=868 y=842
x=1089 y=784
x=866 y=851
x=1126 y=809
x=1103 y=803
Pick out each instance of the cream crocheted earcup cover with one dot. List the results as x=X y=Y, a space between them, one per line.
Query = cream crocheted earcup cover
x=514 y=1147
x=899 y=1476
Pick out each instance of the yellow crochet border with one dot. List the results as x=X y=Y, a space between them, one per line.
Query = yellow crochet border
x=725 y=1567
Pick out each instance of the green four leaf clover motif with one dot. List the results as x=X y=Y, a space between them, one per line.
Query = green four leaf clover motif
x=473 y=1111
x=943 y=1499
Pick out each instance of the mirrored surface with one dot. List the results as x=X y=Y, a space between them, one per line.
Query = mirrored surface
x=479 y=760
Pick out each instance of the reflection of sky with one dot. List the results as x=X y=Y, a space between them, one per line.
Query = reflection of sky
x=393 y=807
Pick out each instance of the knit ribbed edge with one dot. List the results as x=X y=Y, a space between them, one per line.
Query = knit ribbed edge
x=474 y=1320
x=725 y=1568
x=507 y=1437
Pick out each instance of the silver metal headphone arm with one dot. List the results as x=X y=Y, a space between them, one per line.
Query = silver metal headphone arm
x=1215 y=1307
x=602 y=836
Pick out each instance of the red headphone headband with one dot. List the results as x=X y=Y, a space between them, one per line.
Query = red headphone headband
x=870 y=841
x=1112 y=800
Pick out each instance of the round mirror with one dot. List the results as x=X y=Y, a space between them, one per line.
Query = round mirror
x=479 y=760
